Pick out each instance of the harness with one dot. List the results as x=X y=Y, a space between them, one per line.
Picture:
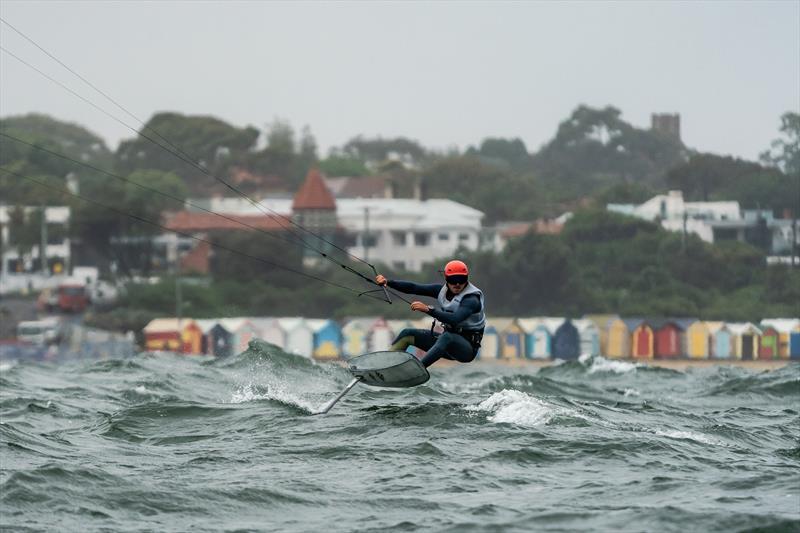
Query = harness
x=473 y=336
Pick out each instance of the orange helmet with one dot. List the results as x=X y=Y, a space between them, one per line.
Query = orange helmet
x=456 y=268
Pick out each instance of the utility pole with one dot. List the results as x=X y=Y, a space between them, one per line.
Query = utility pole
x=178 y=295
x=683 y=237
x=365 y=237
x=43 y=243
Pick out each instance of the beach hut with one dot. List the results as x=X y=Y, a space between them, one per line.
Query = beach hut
x=769 y=343
x=512 y=339
x=241 y=331
x=745 y=340
x=794 y=345
x=205 y=325
x=327 y=339
x=618 y=345
x=668 y=338
x=528 y=326
x=354 y=336
x=720 y=340
x=162 y=334
x=299 y=336
x=785 y=327
x=566 y=342
x=174 y=335
x=379 y=335
x=544 y=334
x=602 y=323
x=490 y=345
x=641 y=339
x=271 y=331
x=589 y=336
x=698 y=338
x=399 y=325
x=218 y=340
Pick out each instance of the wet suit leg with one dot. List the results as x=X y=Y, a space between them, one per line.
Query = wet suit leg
x=448 y=345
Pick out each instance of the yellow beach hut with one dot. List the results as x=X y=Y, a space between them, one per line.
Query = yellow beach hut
x=512 y=339
x=698 y=339
x=618 y=343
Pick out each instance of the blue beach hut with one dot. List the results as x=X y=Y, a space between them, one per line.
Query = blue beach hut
x=327 y=339
x=719 y=340
x=566 y=341
x=589 y=336
x=794 y=345
x=528 y=326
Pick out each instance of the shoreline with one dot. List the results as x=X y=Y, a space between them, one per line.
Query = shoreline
x=672 y=364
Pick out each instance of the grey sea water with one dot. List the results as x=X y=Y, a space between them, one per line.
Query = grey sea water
x=170 y=443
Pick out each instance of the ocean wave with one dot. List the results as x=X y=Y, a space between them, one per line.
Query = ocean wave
x=516 y=407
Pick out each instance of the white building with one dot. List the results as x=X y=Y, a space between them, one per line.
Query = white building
x=402 y=233
x=715 y=221
x=24 y=271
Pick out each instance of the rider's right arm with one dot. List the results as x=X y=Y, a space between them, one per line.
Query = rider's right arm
x=409 y=287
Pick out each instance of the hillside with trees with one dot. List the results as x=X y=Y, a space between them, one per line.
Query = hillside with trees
x=600 y=263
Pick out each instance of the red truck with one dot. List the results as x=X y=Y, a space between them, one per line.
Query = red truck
x=72 y=297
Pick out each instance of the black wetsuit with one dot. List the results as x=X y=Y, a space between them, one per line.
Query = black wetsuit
x=449 y=344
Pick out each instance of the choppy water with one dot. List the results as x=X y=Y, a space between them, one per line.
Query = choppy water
x=170 y=443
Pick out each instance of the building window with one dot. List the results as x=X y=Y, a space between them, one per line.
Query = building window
x=444 y=236
x=399 y=238
x=399 y=265
x=422 y=239
x=463 y=236
x=369 y=240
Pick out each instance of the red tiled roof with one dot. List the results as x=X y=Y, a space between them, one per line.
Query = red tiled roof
x=197 y=260
x=313 y=194
x=193 y=222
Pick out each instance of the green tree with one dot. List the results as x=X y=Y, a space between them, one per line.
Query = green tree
x=178 y=144
x=785 y=152
x=335 y=165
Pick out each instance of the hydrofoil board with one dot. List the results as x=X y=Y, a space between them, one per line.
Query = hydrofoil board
x=382 y=369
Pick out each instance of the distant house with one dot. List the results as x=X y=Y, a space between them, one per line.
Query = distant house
x=404 y=233
x=716 y=221
x=16 y=260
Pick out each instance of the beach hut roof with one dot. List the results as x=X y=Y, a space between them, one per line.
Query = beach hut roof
x=206 y=324
x=290 y=323
x=633 y=323
x=552 y=323
x=782 y=325
x=659 y=323
x=601 y=321
x=235 y=324
x=740 y=328
x=317 y=324
x=262 y=323
x=585 y=324
x=528 y=324
x=714 y=326
x=166 y=325
x=500 y=323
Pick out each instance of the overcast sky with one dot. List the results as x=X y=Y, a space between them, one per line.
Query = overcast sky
x=443 y=73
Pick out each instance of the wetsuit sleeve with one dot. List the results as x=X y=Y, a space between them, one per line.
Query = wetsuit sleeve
x=409 y=287
x=469 y=305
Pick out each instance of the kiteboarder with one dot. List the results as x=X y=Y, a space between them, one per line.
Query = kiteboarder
x=459 y=307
